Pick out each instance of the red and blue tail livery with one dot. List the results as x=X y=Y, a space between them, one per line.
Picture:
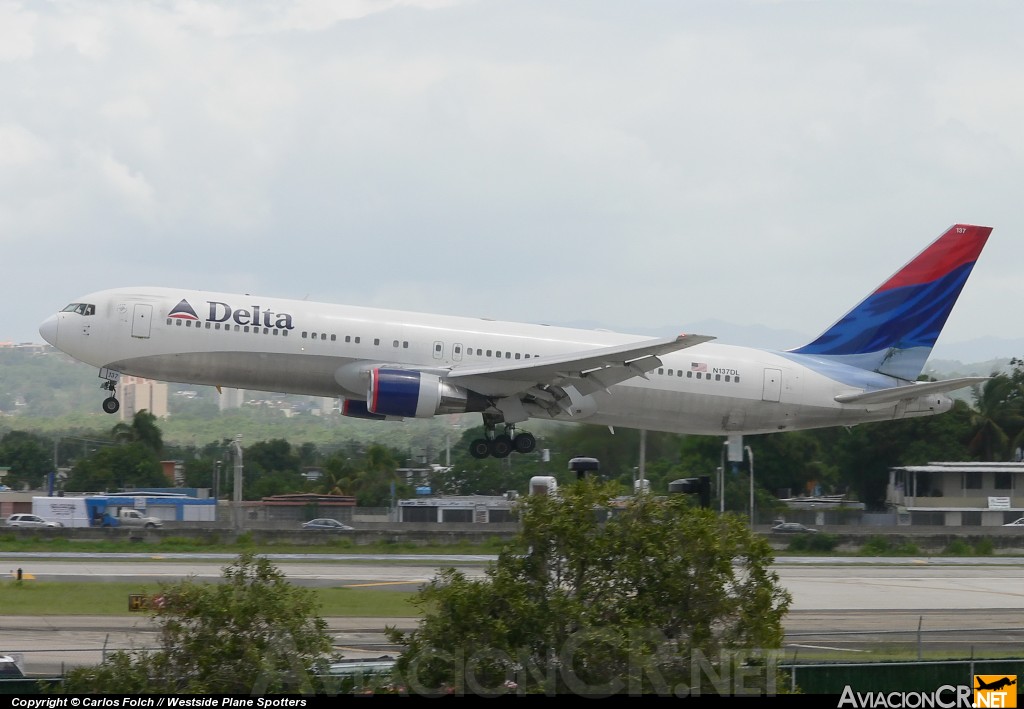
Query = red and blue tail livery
x=893 y=330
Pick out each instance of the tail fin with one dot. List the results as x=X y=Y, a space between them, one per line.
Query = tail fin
x=893 y=330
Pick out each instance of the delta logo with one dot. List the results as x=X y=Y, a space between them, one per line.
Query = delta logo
x=223 y=312
x=995 y=691
x=183 y=311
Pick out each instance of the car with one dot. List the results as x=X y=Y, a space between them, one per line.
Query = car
x=26 y=520
x=327 y=524
x=792 y=528
x=1015 y=523
x=9 y=668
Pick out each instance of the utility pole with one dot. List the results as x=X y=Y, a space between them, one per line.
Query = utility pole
x=750 y=457
x=643 y=462
x=236 y=492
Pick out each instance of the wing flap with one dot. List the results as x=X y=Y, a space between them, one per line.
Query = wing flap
x=910 y=391
x=597 y=368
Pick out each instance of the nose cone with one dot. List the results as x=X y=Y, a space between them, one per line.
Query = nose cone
x=49 y=330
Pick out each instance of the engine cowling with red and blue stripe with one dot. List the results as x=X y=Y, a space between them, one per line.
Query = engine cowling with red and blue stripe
x=353 y=408
x=412 y=394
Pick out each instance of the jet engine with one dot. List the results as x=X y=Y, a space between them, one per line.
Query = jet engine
x=408 y=393
x=357 y=410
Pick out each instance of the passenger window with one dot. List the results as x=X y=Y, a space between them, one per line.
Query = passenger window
x=376 y=341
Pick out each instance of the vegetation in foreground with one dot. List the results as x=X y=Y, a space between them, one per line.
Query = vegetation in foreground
x=608 y=598
x=253 y=633
x=43 y=598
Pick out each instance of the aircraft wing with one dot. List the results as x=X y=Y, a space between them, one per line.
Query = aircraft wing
x=588 y=371
x=910 y=391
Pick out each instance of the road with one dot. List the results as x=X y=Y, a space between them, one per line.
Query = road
x=847 y=606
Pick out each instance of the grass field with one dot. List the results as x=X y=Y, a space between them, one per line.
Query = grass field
x=21 y=542
x=30 y=597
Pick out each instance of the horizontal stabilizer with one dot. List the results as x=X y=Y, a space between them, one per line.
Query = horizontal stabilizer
x=910 y=391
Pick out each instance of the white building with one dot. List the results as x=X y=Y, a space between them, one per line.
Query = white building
x=957 y=494
x=137 y=394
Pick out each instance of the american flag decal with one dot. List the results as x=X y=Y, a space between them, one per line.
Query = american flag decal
x=698 y=367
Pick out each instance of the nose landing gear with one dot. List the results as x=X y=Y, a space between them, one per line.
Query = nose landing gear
x=110 y=404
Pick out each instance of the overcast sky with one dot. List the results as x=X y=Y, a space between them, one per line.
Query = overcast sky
x=637 y=165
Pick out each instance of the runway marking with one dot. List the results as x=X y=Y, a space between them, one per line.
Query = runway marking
x=826 y=647
x=384 y=583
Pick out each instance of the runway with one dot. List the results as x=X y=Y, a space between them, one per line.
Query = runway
x=846 y=606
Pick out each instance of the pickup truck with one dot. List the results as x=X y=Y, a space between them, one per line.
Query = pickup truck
x=131 y=518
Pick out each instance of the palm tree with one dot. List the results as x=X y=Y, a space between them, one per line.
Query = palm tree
x=143 y=429
x=997 y=417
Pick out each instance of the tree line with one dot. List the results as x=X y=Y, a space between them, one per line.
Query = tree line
x=853 y=460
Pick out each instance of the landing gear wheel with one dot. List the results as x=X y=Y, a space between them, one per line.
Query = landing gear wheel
x=501 y=446
x=111 y=405
x=480 y=448
x=524 y=443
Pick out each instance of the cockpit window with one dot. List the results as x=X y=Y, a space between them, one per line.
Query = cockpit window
x=80 y=308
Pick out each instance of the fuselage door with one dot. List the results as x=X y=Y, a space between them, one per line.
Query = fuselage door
x=772 y=385
x=141 y=320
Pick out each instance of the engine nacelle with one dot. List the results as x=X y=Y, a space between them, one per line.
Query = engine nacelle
x=403 y=392
x=357 y=410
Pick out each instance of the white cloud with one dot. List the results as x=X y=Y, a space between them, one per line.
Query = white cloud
x=640 y=165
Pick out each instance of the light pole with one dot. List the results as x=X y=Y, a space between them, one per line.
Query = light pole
x=750 y=456
x=721 y=480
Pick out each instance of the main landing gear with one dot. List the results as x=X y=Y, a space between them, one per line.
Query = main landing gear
x=500 y=446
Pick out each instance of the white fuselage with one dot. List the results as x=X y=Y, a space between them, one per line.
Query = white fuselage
x=302 y=347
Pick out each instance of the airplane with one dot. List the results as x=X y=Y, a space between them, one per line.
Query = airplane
x=995 y=684
x=393 y=365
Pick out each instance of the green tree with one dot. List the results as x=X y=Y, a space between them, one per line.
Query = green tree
x=371 y=477
x=29 y=458
x=271 y=468
x=254 y=633
x=116 y=468
x=143 y=429
x=591 y=603
x=997 y=418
